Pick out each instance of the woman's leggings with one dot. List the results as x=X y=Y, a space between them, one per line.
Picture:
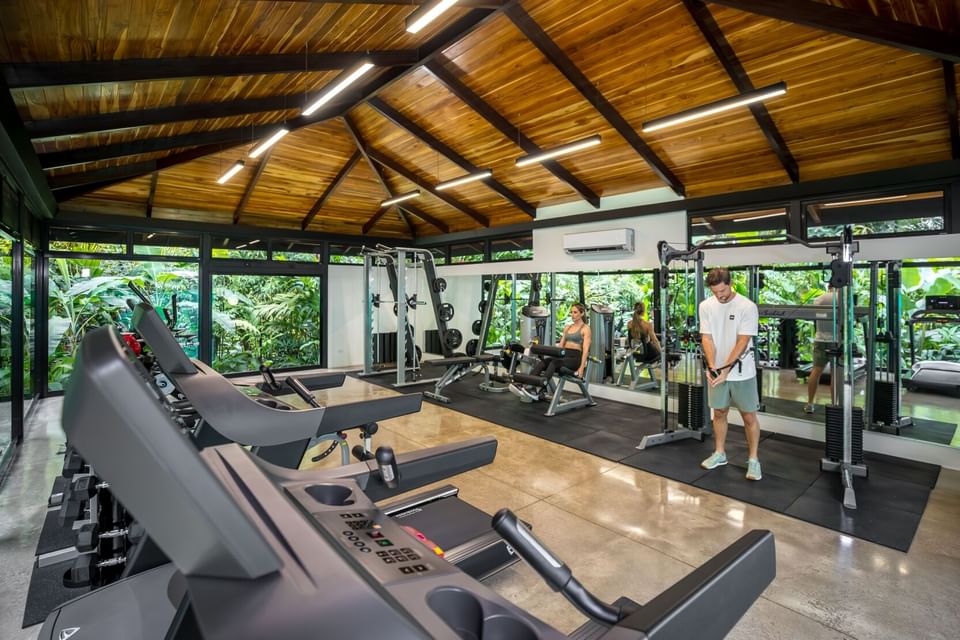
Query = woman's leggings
x=547 y=367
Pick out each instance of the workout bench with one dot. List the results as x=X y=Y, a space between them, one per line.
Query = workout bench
x=458 y=367
x=564 y=375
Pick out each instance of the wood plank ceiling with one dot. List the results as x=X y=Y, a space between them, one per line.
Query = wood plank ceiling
x=136 y=107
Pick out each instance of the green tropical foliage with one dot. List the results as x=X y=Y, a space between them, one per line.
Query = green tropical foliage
x=85 y=294
x=275 y=319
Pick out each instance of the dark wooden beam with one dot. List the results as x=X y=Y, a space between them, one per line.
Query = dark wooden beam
x=856 y=24
x=254 y=179
x=336 y=182
x=950 y=89
x=369 y=224
x=501 y=124
x=163 y=115
x=559 y=59
x=449 y=36
x=396 y=167
x=378 y=172
x=474 y=4
x=446 y=151
x=153 y=193
x=406 y=221
x=43 y=74
x=20 y=159
x=721 y=48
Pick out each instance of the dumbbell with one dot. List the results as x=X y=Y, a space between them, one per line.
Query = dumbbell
x=89 y=536
x=78 y=493
x=73 y=463
x=87 y=571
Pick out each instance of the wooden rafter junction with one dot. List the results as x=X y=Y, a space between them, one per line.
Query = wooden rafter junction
x=378 y=172
x=536 y=35
x=725 y=54
x=855 y=24
x=501 y=124
x=443 y=149
x=336 y=182
x=396 y=167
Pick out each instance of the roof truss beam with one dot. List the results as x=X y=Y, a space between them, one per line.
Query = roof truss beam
x=251 y=185
x=45 y=74
x=501 y=124
x=536 y=35
x=334 y=184
x=358 y=140
x=153 y=193
x=856 y=24
x=426 y=186
x=721 y=48
x=434 y=144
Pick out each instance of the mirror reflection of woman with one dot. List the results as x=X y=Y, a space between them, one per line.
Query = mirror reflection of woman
x=643 y=337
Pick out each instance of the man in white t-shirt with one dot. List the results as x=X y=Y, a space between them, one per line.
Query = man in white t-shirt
x=728 y=324
x=821 y=340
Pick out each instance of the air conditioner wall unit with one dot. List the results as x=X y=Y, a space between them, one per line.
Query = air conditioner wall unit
x=599 y=243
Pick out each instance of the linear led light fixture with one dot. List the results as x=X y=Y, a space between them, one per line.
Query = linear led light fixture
x=426 y=14
x=337 y=87
x=711 y=108
x=269 y=142
x=769 y=215
x=456 y=182
x=864 y=201
x=400 y=198
x=563 y=149
x=232 y=171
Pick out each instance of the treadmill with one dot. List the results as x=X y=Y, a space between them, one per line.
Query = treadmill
x=282 y=437
x=934 y=376
x=261 y=551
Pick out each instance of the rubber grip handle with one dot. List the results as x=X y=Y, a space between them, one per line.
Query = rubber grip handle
x=554 y=572
x=301 y=390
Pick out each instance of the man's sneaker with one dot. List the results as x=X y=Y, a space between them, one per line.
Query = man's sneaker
x=715 y=460
x=809 y=408
x=753 y=469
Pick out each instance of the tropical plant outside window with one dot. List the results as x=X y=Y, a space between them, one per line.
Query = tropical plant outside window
x=519 y=248
x=896 y=214
x=464 y=253
x=742 y=227
x=87 y=293
x=274 y=319
x=345 y=254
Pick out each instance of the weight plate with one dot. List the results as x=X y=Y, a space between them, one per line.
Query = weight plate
x=453 y=338
x=445 y=312
x=476 y=326
x=482 y=305
x=439 y=285
x=472 y=345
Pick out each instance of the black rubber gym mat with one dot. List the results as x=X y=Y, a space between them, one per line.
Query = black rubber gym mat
x=891 y=500
x=53 y=536
x=47 y=592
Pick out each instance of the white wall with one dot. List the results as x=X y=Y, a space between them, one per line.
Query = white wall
x=344 y=315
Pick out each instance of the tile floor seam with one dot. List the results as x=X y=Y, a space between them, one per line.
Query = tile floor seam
x=803 y=615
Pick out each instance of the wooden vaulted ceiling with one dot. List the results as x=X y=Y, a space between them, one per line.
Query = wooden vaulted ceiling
x=136 y=108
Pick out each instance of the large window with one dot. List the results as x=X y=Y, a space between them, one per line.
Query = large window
x=518 y=248
x=168 y=245
x=238 y=248
x=469 y=252
x=346 y=254
x=881 y=215
x=274 y=319
x=88 y=293
x=87 y=241
x=6 y=348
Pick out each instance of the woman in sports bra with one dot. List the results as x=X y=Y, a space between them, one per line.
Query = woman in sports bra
x=576 y=340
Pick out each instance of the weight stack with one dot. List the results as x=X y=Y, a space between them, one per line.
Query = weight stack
x=886 y=402
x=690 y=406
x=385 y=347
x=834 y=432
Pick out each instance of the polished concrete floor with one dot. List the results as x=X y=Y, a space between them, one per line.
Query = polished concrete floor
x=622 y=531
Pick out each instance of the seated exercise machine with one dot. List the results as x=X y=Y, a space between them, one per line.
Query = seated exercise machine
x=554 y=388
x=639 y=359
x=261 y=551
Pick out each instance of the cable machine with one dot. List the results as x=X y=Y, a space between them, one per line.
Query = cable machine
x=885 y=383
x=693 y=414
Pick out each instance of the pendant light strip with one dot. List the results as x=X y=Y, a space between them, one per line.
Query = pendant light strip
x=337 y=87
x=400 y=198
x=269 y=142
x=232 y=171
x=719 y=106
x=570 y=147
x=427 y=14
x=456 y=182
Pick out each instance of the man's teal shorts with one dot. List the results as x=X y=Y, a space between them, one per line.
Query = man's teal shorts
x=739 y=394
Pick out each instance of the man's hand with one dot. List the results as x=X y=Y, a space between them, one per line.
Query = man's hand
x=720 y=379
x=710 y=375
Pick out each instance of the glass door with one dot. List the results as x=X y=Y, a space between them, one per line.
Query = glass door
x=274 y=319
x=29 y=345
x=7 y=435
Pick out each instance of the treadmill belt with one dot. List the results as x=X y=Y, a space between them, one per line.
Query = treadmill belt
x=891 y=500
x=449 y=522
x=47 y=592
